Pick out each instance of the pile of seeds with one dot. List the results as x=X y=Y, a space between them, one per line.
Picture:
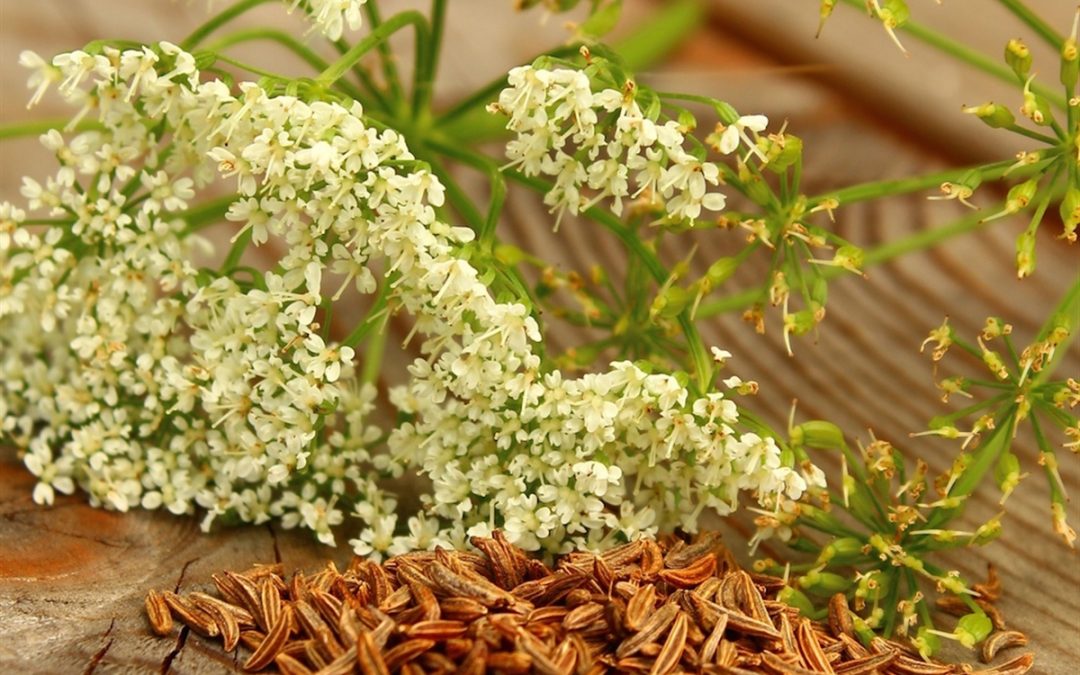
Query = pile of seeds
x=645 y=607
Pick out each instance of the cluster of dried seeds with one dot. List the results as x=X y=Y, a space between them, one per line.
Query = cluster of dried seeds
x=645 y=607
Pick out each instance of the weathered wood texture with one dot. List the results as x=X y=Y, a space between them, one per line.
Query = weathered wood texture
x=72 y=578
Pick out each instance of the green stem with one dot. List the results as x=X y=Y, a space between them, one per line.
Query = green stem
x=968 y=55
x=1066 y=315
x=373 y=353
x=1034 y=22
x=206 y=214
x=386 y=58
x=886 y=188
x=703 y=368
x=424 y=82
x=237 y=250
x=251 y=69
x=486 y=235
x=374 y=318
x=305 y=53
x=217 y=21
x=376 y=38
x=38 y=127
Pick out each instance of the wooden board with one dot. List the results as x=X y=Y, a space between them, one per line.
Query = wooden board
x=72 y=578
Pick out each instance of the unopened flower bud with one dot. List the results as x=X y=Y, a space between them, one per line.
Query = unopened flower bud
x=818 y=434
x=973 y=629
x=995 y=327
x=841 y=551
x=1070 y=58
x=721 y=270
x=1070 y=212
x=670 y=302
x=793 y=597
x=1035 y=107
x=1057 y=510
x=926 y=642
x=1025 y=254
x=993 y=114
x=1018 y=56
x=1007 y=474
x=825 y=584
x=782 y=150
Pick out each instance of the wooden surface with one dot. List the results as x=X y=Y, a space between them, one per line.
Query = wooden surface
x=72 y=578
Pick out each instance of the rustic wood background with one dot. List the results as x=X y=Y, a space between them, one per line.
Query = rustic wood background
x=72 y=578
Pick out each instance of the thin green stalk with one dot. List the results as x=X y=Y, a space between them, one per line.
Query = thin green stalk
x=496 y=182
x=968 y=55
x=880 y=254
x=703 y=367
x=424 y=82
x=236 y=251
x=206 y=214
x=251 y=69
x=306 y=54
x=217 y=21
x=386 y=58
x=1066 y=315
x=373 y=352
x=1034 y=22
x=38 y=127
x=889 y=188
x=375 y=317
x=376 y=38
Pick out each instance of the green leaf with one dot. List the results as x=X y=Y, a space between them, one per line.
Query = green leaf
x=603 y=19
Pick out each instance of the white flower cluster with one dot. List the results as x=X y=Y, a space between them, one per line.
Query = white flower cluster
x=145 y=381
x=595 y=144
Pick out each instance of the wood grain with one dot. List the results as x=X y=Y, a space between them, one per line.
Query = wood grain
x=72 y=578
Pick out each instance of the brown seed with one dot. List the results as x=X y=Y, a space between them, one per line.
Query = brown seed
x=461 y=609
x=712 y=643
x=867 y=665
x=1001 y=640
x=693 y=574
x=672 y=651
x=405 y=652
x=272 y=643
x=435 y=630
x=368 y=658
x=583 y=615
x=157 y=611
x=913 y=666
x=451 y=583
x=640 y=606
x=512 y=663
x=810 y=649
x=1017 y=666
x=195 y=619
x=776 y=664
x=476 y=659
x=652 y=629
x=687 y=555
x=289 y=665
x=226 y=622
x=840 y=616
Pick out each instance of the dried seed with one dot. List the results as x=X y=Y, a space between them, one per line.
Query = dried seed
x=1001 y=640
x=228 y=627
x=840 y=616
x=685 y=556
x=435 y=630
x=289 y=665
x=342 y=665
x=777 y=664
x=652 y=629
x=867 y=665
x=196 y=619
x=368 y=658
x=640 y=606
x=405 y=652
x=672 y=651
x=317 y=629
x=712 y=643
x=506 y=571
x=582 y=615
x=272 y=643
x=461 y=609
x=157 y=611
x=912 y=666
x=512 y=663
x=476 y=660
x=1017 y=666
x=451 y=583
x=693 y=574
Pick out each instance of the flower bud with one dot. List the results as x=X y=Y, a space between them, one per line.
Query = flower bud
x=818 y=434
x=926 y=642
x=670 y=303
x=994 y=115
x=721 y=270
x=973 y=629
x=1020 y=195
x=793 y=597
x=1007 y=474
x=1018 y=56
x=1070 y=212
x=782 y=151
x=509 y=255
x=841 y=551
x=1035 y=107
x=825 y=584
x=1025 y=255
x=1070 y=62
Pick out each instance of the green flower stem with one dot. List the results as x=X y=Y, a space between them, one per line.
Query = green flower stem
x=703 y=367
x=1024 y=131
x=386 y=59
x=984 y=458
x=375 y=318
x=968 y=55
x=424 y=83
x=377 y=38
x=496 y=183
x=206 y=214
x=38 y=127
x=1034 y=22
x=306 y=54
x=252 y=69
x=880 y=254
x=373 y=352
x=217 y=21
x=1067 y=316
x=237 y=250
x=888 y=188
